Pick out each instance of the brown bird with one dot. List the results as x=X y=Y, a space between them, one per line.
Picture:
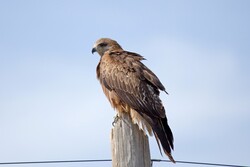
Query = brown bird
x=133 y=88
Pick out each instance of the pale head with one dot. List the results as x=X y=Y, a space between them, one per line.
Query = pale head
x=105 y=44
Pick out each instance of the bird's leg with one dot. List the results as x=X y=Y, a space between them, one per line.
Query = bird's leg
x=116 y=118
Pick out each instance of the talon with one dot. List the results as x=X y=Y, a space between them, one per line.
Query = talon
x=116 y=118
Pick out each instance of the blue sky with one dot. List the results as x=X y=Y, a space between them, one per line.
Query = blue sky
x=52 y=107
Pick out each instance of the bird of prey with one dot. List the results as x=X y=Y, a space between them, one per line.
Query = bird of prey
x=133 y=88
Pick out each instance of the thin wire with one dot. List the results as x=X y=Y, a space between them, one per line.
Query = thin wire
x=109 y=160
x=55 y=162
x=199 y=163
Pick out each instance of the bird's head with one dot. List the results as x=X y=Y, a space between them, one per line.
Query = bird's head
x=105 y=44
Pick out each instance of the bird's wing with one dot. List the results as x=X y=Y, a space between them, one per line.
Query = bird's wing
x=133 y=82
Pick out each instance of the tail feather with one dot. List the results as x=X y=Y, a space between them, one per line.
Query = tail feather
x=164 y=136
x=158 y=142
x=168 y=132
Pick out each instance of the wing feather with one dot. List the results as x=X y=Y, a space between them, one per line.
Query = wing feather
x=133 y=82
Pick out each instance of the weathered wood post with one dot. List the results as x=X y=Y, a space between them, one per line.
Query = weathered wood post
x=129 y=144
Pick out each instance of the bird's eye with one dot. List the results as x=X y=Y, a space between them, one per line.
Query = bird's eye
x=103 y=44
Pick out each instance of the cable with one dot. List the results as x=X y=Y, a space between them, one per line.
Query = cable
x=55 y=162
x=199 y=163
x=109 y=160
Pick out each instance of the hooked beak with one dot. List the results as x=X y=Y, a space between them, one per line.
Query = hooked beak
x=93 y=50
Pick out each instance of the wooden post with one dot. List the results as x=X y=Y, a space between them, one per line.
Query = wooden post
x=129 y=144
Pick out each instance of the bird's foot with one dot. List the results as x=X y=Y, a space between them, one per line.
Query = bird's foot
x=116 y=118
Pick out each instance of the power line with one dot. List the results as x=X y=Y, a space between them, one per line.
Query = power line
x=199 y=163
x=55 y=162
x=109 y=160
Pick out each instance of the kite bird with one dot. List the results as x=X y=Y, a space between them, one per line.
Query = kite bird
x=133 y=88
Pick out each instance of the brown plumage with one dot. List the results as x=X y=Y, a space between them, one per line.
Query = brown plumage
x=131 y=87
